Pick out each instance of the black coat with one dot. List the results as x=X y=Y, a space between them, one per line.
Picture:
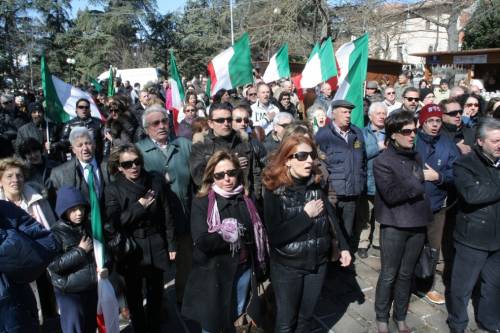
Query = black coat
x=209 y=295
x=478 y=217
x=74 y=270
x=152 y=228
x=400 y=198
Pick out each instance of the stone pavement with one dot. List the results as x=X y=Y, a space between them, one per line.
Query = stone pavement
x=346 y=305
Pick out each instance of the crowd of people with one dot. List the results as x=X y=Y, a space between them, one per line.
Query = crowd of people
x=247 y=186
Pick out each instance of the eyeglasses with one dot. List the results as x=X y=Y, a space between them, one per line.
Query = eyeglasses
x=472 y=104
x=252 y=94
x=128 y=164
x=239 y=120
x=222 y=120
x=83 y=107
x=189 y=110
x=411 y=99
x=453 y=113
x=229 y=173
x=304 y=155
x=408 y=131
x=157 y=123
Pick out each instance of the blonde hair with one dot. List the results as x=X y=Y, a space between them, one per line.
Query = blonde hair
x=12 y=162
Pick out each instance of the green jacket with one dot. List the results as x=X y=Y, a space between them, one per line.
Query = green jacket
x=175 y=164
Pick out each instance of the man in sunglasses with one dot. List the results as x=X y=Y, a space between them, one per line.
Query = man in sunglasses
x=222 y=136
x=83 y=119
x=453 y=128
x=411 y=97
x=344 y=147
x=280 y=123
x=390 y=99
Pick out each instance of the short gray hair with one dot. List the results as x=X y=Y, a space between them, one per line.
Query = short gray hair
x=282 y=116
x=79 y=132
x=376 y=105
x=485 y=126
x=152 y=109
x=311 y=111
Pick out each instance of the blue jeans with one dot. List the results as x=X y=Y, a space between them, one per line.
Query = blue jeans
x=241 y=285
x=470 y=265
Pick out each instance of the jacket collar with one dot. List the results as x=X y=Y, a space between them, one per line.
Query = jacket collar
x=485 y=158
x=428 y=138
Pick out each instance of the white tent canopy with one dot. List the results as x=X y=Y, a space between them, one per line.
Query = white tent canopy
x=134 y=75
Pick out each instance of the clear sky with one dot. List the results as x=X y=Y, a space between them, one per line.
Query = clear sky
x=164 y=6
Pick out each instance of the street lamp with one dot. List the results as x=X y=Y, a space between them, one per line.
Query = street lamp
x=70 y=61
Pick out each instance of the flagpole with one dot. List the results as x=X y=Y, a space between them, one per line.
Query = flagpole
x=47 y=131
x=232 y=27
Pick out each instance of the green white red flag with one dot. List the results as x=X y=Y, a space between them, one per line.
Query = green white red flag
x=177 y=90
x=278 y=66
x=232 y=67
x=352 y=59
x=320 y=66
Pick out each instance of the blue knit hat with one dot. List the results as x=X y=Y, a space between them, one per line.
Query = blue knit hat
x=68 y=197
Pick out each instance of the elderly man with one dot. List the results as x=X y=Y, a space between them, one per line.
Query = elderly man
x=77 y=171
x=477 y=240
x=221 y=136
x=84 y=119
x=374 y=136
x=280 y=123
x=390 y=99
x=263 y=111
x=344 y=146
x=171 y=159
x=325 y=96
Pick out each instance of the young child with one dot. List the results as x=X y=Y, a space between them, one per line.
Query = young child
x=73 y=272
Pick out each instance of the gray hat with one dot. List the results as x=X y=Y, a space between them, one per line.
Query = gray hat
x=372 y=85
x=341 y=103
x=6 y=98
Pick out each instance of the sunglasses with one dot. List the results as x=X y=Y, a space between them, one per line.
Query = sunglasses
x=157 y=123
x=229 y=173
x=222 y=120
x=253 y=94
x=453 y=113
x=304 y=155
x=411 y=99
x=390 y=93
x=128 y=164
x=239 y=120
x=408 y=131
x=83 y=107
x=190 y=110
x=472 y=104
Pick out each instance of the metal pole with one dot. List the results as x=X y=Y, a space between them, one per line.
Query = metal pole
x=70 y=73
x=232 y=27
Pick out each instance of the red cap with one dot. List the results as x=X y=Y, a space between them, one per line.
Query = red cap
x=430 y=110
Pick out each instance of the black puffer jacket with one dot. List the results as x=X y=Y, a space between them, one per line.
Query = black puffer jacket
x=477 y=182
x=297 y=240
x=74 y=270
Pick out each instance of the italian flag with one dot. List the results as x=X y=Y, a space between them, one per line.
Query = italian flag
x=232 y=67
x=352 y=58
x=175 y=97
x=320 y=66
x=60 y=97
x=278 y=67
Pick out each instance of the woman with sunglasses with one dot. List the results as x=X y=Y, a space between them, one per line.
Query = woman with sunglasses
x=472 y=106
x=285 y=103
x=403 y=211
x=120 y=125
x=142 y=233
x=299 y=222
x=230 y=247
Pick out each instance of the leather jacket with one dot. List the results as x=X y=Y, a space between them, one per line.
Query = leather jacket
x=74 y=270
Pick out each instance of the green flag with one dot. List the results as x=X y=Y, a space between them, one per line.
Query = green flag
x=97 y=85
x=54 y=109
x=111 y=83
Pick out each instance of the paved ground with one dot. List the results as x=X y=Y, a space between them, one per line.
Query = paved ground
x=346 y=305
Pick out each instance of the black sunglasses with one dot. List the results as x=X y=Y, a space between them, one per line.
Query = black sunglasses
x=129 y=164
x=252 y=94
x=190 y=110
x=453 y=113
x=229 y=173
x=156 y=123
x=408 y=131
x=86 y=107
x=239 y=120
x=304 y=155
x=222 y=120
x=411 y=99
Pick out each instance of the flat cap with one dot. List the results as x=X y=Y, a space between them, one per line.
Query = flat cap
x=342 y=103
x=371 y=85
